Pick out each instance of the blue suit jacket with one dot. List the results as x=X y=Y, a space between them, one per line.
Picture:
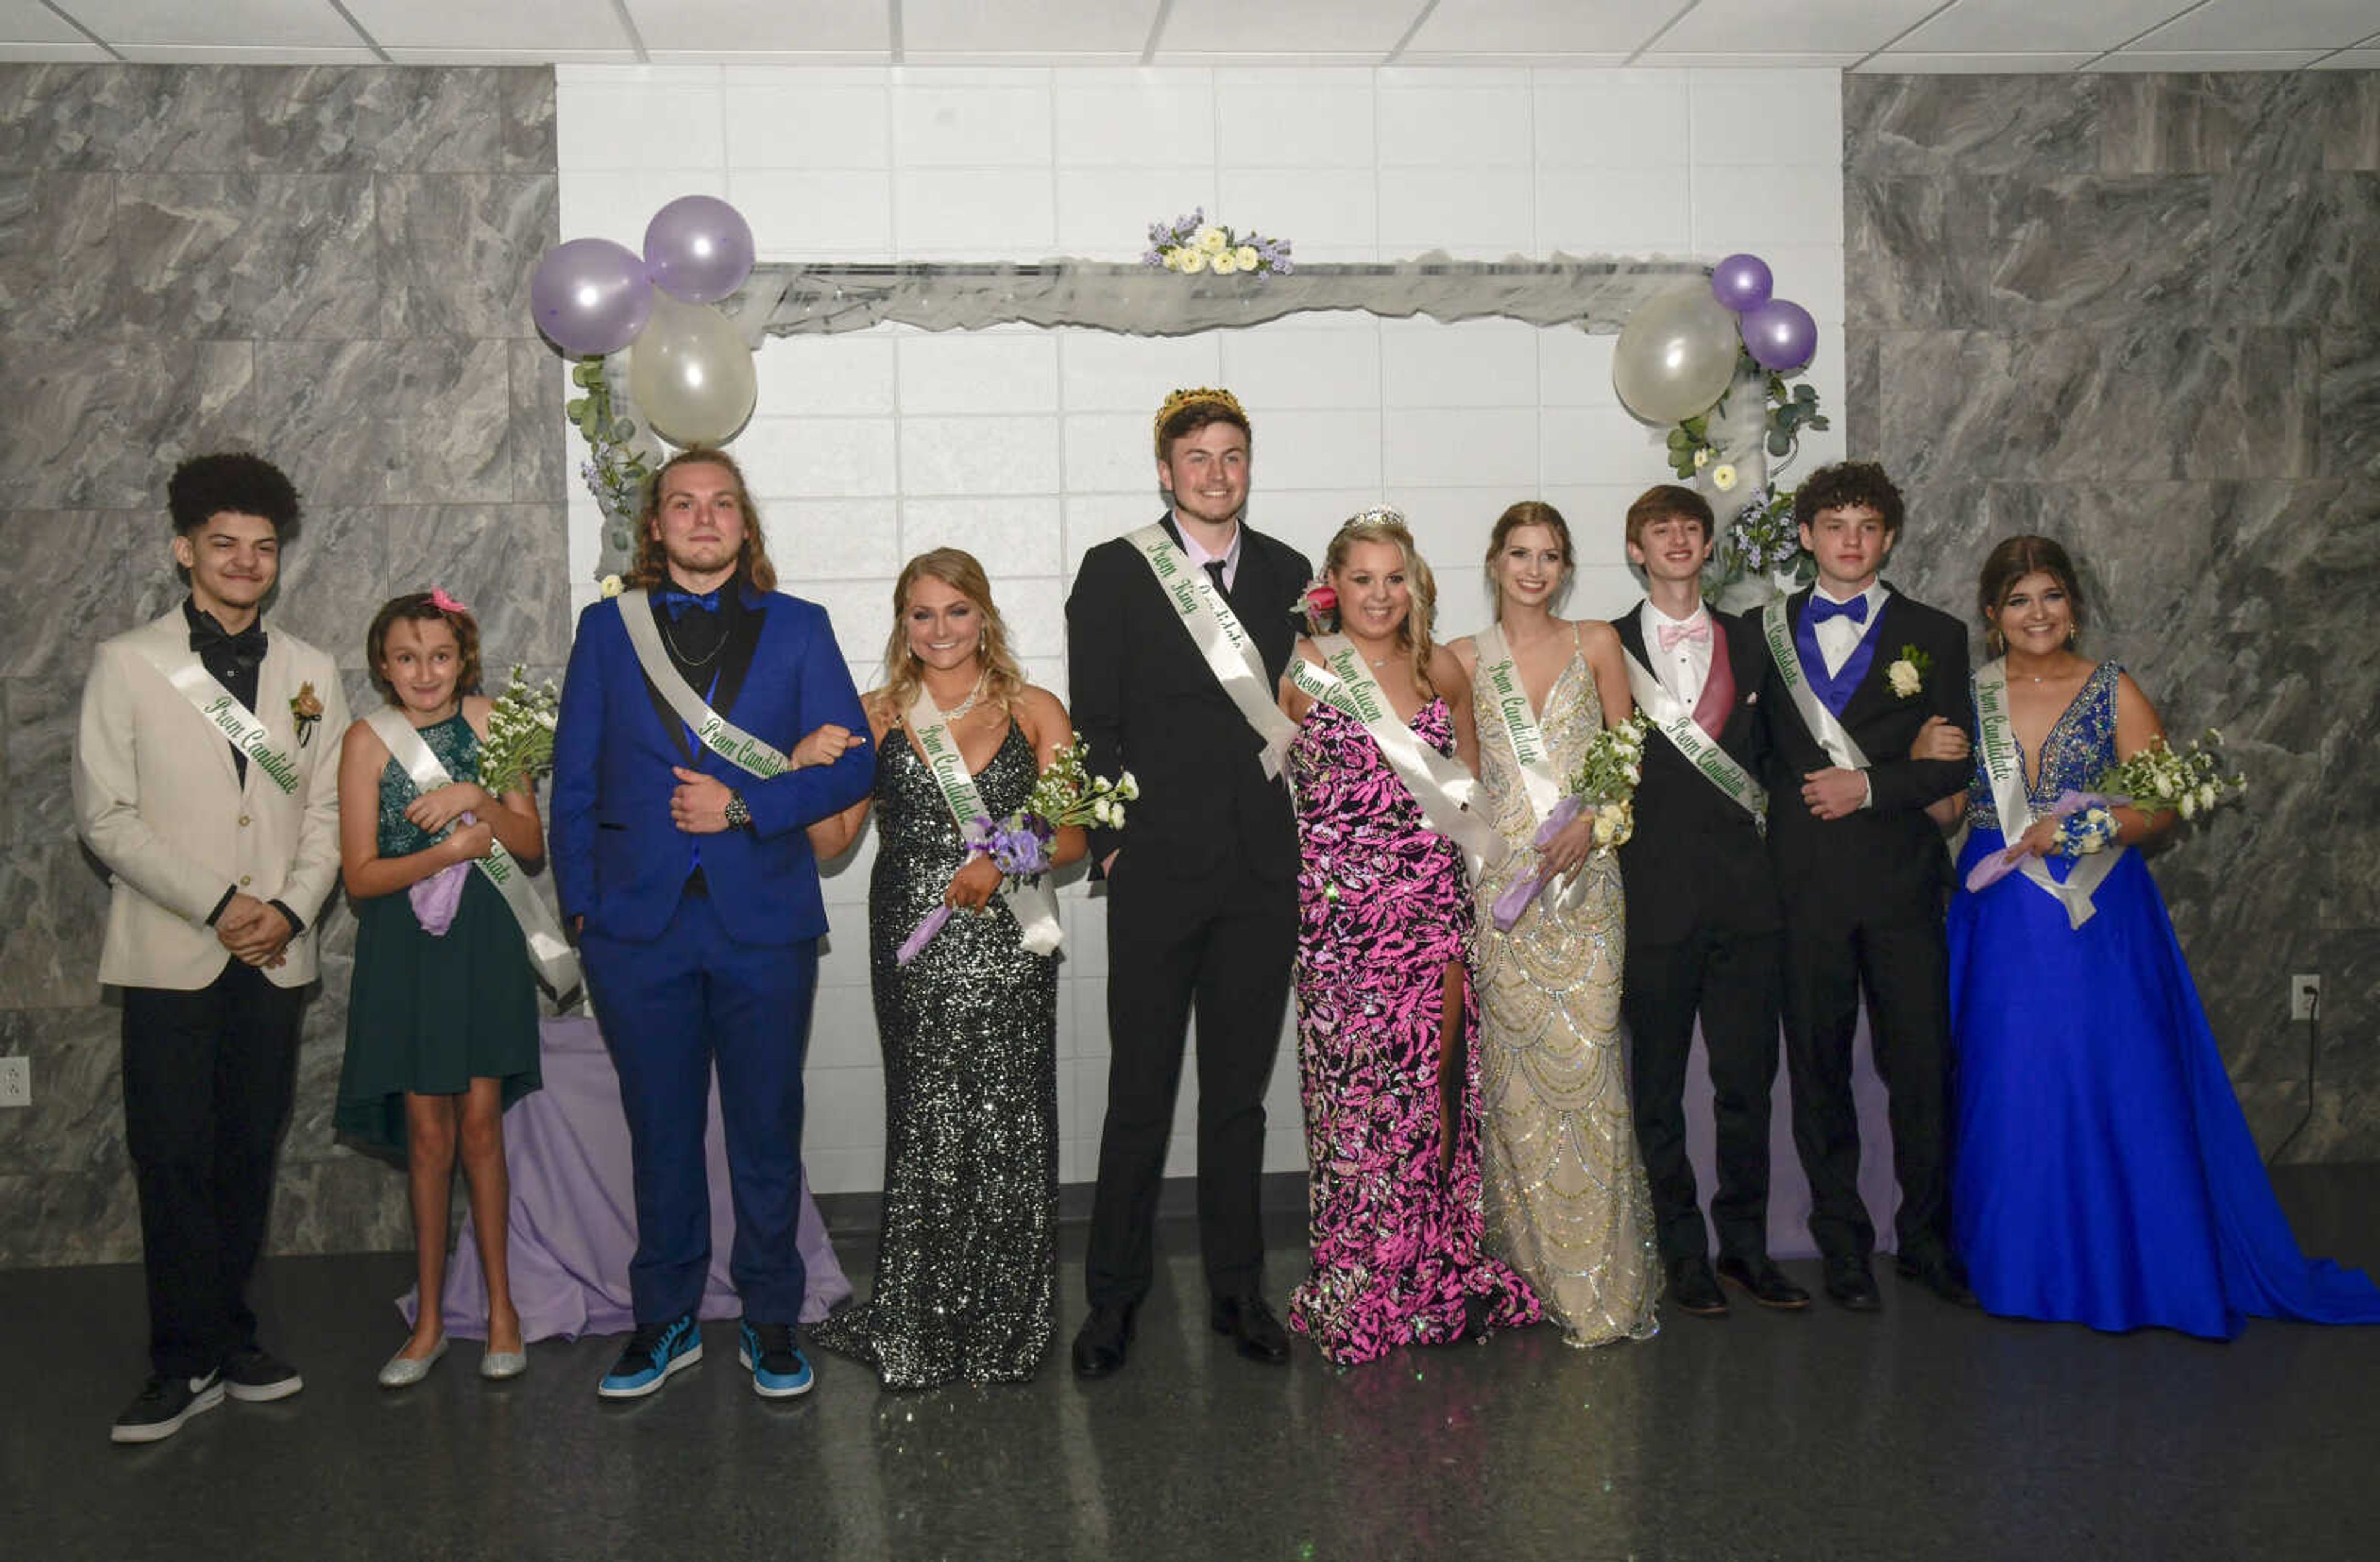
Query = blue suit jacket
x=619 y=861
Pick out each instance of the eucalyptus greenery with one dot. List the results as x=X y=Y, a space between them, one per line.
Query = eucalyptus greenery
x=616 y=470
x=1791 y=408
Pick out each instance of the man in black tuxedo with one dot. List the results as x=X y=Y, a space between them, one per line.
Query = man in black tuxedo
x=1202 y=899
x=1854 y=670
x=1704 y=934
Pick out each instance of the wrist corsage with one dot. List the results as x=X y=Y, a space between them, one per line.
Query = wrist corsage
x=1907 y=675
x=2081 y=834
x=1316 y=609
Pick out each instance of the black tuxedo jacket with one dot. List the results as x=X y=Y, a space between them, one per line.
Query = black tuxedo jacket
x=1889 y=852
x=1696 y=859
x=1145 y=700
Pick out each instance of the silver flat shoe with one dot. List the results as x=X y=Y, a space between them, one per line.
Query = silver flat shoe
x=404 y=1372
x=498 y=1365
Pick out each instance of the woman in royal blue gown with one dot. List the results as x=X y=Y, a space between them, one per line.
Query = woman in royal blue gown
x=2105 y=1172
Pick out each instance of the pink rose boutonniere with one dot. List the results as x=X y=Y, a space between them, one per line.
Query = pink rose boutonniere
x=305 y=710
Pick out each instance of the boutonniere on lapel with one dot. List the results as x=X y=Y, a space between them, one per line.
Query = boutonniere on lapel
x=305 y=710
x=1907 y=675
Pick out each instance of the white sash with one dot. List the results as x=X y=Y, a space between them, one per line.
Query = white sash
x=1674 y=722
x=1034 y=904
x=1441 y=786
x=711 y=730
x=234 y=720
x=1500 y=674
x=1822 y=722
x=2004 y=768
x=1230 y=656
x=547 y=947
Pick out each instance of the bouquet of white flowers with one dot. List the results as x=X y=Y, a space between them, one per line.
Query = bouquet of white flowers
x=1605 y=781
x=521 y=736
x=2189 y=782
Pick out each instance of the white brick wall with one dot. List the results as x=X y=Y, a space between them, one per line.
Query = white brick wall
x=1026 y=446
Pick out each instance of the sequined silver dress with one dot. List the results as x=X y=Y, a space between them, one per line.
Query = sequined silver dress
x=1566 y=1199
x=966 y=1268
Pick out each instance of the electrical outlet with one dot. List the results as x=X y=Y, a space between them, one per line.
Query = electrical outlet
x=16 y=1081
x=2305 y=995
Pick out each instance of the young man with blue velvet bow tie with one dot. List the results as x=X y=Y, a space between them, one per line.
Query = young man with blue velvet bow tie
x=1853 y=670
x=680 y=801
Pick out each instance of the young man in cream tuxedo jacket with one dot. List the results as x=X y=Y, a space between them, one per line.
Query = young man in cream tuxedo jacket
x=206 y=779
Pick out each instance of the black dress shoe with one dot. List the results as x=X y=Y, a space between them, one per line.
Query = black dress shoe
x=1255 y=1333
x=1100 y=1344
x=1939 y=1273
x=1696 y=1289
x=1764 y=1281
x=1851 y=1286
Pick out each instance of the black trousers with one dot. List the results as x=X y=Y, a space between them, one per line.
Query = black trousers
x=1831 y=955
x=1226 y=940
x=1732 y=980
x=208 y=1076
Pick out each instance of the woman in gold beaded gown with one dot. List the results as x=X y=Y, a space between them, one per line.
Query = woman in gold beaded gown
x=1567 y=1202
x=967 y=1266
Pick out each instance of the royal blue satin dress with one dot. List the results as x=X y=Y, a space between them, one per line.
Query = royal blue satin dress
x=2103 y=1172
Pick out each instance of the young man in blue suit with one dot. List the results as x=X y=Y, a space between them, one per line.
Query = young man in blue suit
x=680 y=853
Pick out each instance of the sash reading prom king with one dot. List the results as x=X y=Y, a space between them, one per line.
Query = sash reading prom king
x=547 y=946
x=1441 y=786
x=2004 y=768
x=1822 y=722
x=234 y=720
x=1230 y=656
x=1714 y=764
x=1034 y=904
x=711 y=730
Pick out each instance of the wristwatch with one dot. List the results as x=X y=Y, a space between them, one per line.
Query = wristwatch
x=739 y=812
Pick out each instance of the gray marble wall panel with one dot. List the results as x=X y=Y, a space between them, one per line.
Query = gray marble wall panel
x=328 y=265
x=2134 y=313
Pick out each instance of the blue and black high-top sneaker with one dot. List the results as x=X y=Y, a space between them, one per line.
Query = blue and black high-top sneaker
x=652 y=1354
x=780 y=1371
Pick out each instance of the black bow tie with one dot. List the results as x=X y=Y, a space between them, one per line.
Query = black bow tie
x=246 y=648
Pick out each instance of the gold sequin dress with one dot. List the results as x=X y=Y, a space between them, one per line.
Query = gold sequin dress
x=1567 y=1202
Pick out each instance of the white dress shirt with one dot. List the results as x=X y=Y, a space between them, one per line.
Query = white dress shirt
x=1686 y=666
x=1201 y=557
x=1838 y=637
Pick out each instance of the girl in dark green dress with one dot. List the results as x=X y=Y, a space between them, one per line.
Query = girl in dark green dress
x=442 y=1026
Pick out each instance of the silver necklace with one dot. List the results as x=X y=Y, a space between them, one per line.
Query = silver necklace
x=968 y=704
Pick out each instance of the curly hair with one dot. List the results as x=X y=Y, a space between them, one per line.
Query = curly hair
x=2011 y=560
x=1848 y=485
x=233 y=480
x=1382 y=525
x=1004 y=681
x=651 y=567
x=421 y=608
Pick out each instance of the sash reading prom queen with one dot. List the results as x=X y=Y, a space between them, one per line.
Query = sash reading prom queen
x=1035 y=903
x=711 y=730
x=2004 y=768
x=1712 y=764
x=1501 y=675
x=1441 y=786
x=1230 y=656
x=1828 y=731
x=234 y=720
x=547 y=946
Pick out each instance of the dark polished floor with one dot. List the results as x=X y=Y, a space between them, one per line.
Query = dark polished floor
x=1922 y=1433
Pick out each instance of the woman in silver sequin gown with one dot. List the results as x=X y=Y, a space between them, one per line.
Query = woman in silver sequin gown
x=966 y=1266
x=1567 y=1201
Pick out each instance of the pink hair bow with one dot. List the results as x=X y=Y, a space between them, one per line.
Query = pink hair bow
x=445 y=603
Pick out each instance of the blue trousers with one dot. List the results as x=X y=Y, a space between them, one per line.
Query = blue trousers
x=668 y=1009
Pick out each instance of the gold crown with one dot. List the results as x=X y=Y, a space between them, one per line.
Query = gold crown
x=1182 y=398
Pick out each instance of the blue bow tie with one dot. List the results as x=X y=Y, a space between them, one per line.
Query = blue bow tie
x=1821 y=609
x=678 y=601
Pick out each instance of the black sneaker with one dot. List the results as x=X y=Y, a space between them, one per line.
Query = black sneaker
x=255 y=1375
x=165 y=1404
x=651 y=1355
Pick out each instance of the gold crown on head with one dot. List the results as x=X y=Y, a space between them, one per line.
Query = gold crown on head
x=1182 y=398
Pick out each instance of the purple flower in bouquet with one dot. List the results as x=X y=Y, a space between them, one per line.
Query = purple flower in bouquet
x=1018 y=845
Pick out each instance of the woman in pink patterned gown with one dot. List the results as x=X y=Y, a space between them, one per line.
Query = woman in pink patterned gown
x=1386 y=1021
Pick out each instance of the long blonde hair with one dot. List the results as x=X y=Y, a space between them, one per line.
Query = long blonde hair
x=1384 y=525
x=1528 y=512
x=651 y=567
x=1004 y=681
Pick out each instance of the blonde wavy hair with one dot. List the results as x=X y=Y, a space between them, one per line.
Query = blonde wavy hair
x=1384 y=525
x=1528 y=512
x=1004 y=681
x=652 y=568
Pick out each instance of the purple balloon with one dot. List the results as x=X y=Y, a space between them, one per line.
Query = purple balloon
x=698 y=248
x=591 y=297
x=1779 y=335
x=1742 y=281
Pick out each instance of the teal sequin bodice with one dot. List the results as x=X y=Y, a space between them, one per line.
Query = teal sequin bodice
x=458 y=748
x=2080 y=748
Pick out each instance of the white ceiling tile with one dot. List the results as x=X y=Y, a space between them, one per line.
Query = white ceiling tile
x=23 y=21
x=1810 y=27
x=1536 y=27
x=1897 y=64
x=2019 y=28
x=719 y=28
x=2262 y=27
x=555 y=28
x=1045 y=27
x=252 y=25
x=2142 y=60
x=1265 y=27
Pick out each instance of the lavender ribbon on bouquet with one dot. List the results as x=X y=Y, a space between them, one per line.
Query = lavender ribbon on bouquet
x=438 y=897
x=1524 y=892
x=922 y=935
x=1989 y=871
x=1019 y=847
